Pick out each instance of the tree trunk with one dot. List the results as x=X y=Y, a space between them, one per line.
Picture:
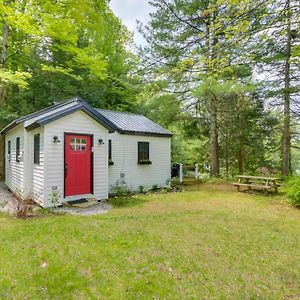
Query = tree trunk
x=214 y=145
x=226 y=155
x=286 y=136
x=3 y=61
x=211 y=42
x=2 y=158
x=241 y=159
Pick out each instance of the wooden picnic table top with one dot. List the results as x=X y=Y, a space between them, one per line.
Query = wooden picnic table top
x=257 y=177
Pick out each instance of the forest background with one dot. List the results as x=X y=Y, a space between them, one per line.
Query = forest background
x=222 y=75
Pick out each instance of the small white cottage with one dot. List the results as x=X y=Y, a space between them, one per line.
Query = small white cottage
x=72 y=151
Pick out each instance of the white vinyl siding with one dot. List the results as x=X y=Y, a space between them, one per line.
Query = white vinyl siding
x=14 y=171
x=125 y=159
x=35 y=171
x=77 y=122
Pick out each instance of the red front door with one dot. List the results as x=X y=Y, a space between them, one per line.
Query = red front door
x=78 y=164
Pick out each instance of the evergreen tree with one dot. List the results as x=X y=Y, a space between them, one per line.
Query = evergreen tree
x=197 y=46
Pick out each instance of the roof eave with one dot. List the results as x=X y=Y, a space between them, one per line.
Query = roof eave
x=145 y=133
x=9 y=127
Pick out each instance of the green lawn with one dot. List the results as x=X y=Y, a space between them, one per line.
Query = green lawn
x=206 y=243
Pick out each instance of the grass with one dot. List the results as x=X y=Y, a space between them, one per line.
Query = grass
x=209 y=242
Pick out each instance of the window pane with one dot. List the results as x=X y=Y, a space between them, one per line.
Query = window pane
x=9 y=150
x=72 y=144
x=36 y=149
x=143 y=151
x=78 y=144
x=17 y=149
x=82 y=145
x=109 y=149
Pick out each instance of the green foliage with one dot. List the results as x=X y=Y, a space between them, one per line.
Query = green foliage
x=208 y=63
x=59 y=50
x=175 y=182
x=292 y=190
x=155 y=188
x=142 y=189
x=120 y=190
x=54 y=198
x=122 y=202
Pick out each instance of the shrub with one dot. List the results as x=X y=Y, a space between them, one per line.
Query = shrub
x=21 y=207
x=54 y=198
x=155 y=188
x=175 y=182
x=120 y=190
x=142 y=189
x=292 y=190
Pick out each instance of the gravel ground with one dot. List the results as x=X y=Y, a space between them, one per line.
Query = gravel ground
x=96 y=209
x=6 y=198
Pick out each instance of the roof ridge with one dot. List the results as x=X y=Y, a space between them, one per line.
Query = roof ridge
x=55 y=104
x=120 y=112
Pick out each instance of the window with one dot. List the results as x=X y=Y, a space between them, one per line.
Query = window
x=143 y=152
x=78 y=144
x=110 y=162
x=36 y=158
x=17 y=149
x=8 y=149
x=109 y=150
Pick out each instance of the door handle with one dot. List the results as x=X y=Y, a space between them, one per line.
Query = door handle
x=66 y=170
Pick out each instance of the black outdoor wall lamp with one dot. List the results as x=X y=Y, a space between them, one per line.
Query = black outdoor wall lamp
x=101 y=142
x=56 y=139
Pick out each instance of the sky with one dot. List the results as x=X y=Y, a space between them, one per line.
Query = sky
x=129 y=11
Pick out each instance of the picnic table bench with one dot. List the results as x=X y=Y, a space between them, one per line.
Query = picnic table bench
x=257 y=183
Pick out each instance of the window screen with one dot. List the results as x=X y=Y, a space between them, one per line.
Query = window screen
x=143 y=151
x=37 y=148
x=17 y=149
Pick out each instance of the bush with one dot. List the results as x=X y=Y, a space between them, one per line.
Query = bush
x=120 y=190
x=142 y=189
x=292 y=190
x=175 y=182
x=21 y=207
x=155 y=188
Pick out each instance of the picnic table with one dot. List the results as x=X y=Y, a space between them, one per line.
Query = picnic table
x=257 y=182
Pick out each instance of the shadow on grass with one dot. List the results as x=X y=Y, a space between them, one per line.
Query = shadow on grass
x=126 y=202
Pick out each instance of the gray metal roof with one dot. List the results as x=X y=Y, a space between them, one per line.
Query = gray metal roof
x=128 y=123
